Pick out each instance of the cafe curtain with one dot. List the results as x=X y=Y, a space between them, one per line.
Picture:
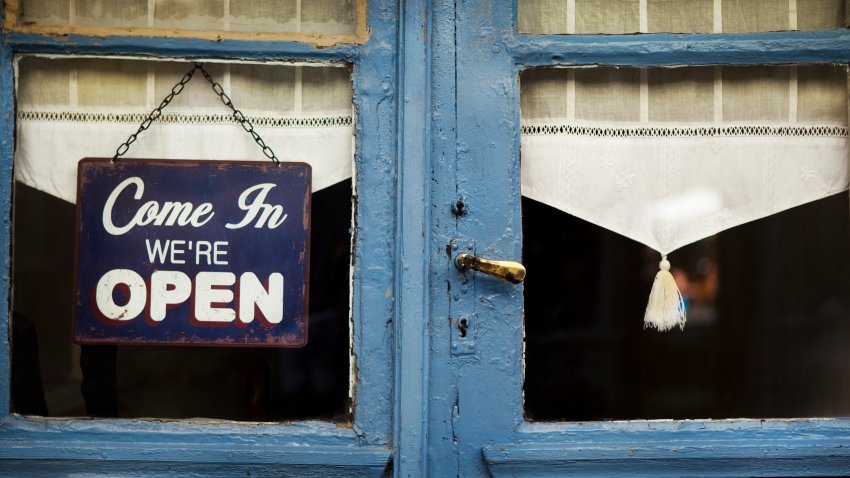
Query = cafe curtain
x=668 y=156
x=68 y=109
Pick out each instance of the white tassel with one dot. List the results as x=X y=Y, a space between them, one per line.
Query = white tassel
x=666 y=308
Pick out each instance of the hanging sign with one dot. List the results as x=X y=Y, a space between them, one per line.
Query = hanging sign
x=192 y=252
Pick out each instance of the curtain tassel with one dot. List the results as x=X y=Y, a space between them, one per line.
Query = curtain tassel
x=666 y=308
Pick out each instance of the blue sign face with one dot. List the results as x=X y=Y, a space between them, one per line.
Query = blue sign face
x=192 y=253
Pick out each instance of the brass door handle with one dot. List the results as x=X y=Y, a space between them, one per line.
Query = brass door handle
x=509 y=271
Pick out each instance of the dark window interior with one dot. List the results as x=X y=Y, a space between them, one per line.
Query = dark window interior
x=51 y=376
x=768 y=331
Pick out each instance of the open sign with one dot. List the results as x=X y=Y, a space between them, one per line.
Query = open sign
x=192 y=252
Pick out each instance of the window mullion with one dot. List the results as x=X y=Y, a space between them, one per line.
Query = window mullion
x=832 y=46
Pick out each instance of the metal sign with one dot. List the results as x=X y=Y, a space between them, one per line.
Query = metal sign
x=192 y=252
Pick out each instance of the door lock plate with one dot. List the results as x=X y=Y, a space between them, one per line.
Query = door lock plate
x=463 y=336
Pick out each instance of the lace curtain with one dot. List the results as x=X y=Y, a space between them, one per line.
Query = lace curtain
x=678 y=16
x=670 y=156
x=68 y=109
x=311 y=16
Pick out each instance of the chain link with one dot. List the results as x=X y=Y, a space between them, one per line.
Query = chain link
x=176 y=90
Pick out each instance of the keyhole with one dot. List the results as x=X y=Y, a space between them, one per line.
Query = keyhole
x=459 y=208
x=462 y=325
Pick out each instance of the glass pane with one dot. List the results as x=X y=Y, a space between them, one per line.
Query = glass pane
x=668 y=89
x=821 y=14
x=197 y=15
x=258 y=88
x=678 y=16
x=251 y=15
x=767 y=332
x=742 y=16
x=45 y=12
x=51 y=376
x=332 y=17
x=818 y=89
x=97 y=84
x=74 y=102
x=607 y=94
x=753 y=93
x=328 y=16
x=543 y=16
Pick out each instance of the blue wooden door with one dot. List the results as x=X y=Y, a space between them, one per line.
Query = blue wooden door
x=465 y=351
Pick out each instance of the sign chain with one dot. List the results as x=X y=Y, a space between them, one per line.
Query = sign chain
x=176 y=90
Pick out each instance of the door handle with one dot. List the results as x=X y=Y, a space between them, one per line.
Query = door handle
x=509 y=271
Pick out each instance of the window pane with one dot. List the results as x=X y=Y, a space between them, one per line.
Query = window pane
x=251 y=15
x=816 y=88
x=117 y=13
x=90 y=105
x=45 y=12
x=678 y=16
x=332 y=17
x=197 y=15
x=821 y=14
x=742 y=16
x=741 y=94
x=767 y=332
x=66 y=109
x=607 y=16
x=768 y=302
x=54 y=377
x=752 y=93
x=607 y=94
x=542 y=16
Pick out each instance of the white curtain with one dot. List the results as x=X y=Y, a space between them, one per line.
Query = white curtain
x=678 y=16
x=670 y=156
x=68 y=109
x=275 y=16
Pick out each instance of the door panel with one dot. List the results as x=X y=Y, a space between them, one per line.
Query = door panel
x=476 y=423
